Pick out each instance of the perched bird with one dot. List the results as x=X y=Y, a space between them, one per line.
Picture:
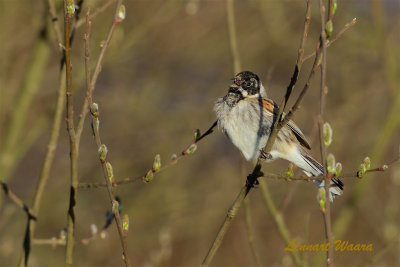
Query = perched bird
x=246 y=116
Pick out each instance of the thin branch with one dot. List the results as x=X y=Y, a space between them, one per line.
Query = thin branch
x=97 y=70
x=98 y=11
x=328 y=176
x=174 y=160
x=251 y=179
x=279 y=221
x=45 y=172
x=250 y=233
x=91 y=82
x=230 y=12
x=236 y=69
x=335 y=38
x=14 y=198
x=69 y=6
x=54 y=20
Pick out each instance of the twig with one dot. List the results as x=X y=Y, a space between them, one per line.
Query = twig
x=279 y=221
x=334 y=39
x=14 y=198
x=232 y=36
x=98 y=11
x=54 y=20
x=97 y=70
x=91 y=82
x=257 y=169
x=236 y=69
x=45 y=172
x=69 y=6
x=250 y=233
x=323 y=91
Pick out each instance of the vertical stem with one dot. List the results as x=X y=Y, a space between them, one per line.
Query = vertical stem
x=323 y=92
x=232 y=36
x=68 y=16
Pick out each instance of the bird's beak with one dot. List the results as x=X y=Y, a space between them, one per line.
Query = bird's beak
x=235 y=82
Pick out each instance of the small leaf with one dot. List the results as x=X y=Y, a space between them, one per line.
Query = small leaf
x=331 y=162
x=157 y=163
x=327 y=131
x=148 y=177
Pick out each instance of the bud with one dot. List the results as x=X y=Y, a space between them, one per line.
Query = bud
x=148 y=177
x=174 y=157
x=327 y=131
x=103 y=234
x=125 y=223
x=319 y=59
x=103 y=153
x=157 y=163
x=94 y=110
x=334 y=7
x=338 y=169
x=329 y=28
x=121 y=13
x=63 y=235
x=70 y=7
x=367 y=162
x=321 y=197
x=110 y=172
x=331 y=162
x=115 y=206
x=196 y=135
x=93 y=229
x=190 y=150
x=289 y=172
x=361 y=171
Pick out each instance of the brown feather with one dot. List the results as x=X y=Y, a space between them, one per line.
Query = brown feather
x=272 y=107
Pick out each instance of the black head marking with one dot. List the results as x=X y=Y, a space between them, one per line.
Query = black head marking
x=249 y=81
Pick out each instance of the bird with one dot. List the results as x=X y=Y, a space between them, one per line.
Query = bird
x=246 y=115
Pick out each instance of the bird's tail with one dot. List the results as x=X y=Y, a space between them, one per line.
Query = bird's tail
x=314 y=168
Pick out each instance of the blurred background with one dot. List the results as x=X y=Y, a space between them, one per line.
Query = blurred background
x=166 y=65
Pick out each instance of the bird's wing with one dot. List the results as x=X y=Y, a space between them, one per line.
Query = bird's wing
x=271 y=107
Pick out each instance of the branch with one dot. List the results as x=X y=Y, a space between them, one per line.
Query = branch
x=69 y=8
x=106 y=166
x=335 y=38
x=14 y=198
x=328 y=176
x=279 y=221
x=257 y=169
x=98 y=11
x=92 y=81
